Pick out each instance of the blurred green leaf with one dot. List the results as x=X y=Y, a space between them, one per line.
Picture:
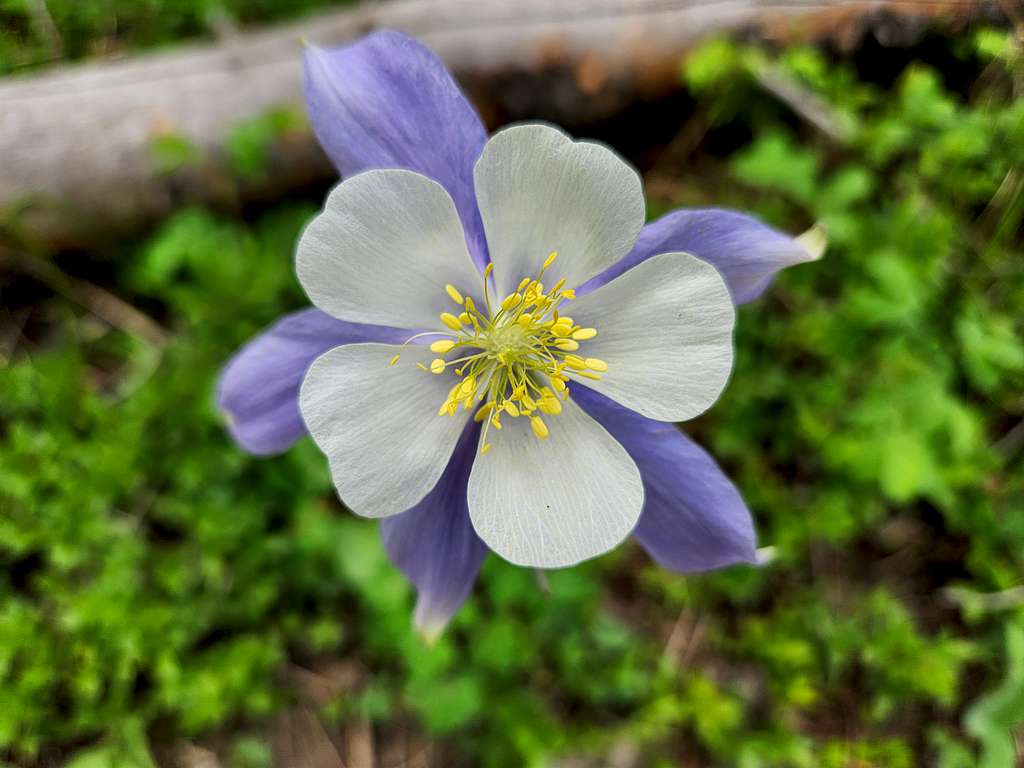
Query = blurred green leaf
x=993 y=717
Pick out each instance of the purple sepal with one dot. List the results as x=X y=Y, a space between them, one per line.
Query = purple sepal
x=693 y=518
x=746 y=252
x=387 y=101
x=259 y=388
x=434 y=543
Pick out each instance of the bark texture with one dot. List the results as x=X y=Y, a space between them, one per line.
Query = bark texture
x=104 y=148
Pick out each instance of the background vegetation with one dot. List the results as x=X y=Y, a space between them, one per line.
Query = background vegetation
x=159 y=587
x=35 y=32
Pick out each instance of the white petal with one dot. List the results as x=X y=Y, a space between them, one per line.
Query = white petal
x=552 y=503
x=665 y=330
x=539 y=191
x=378 y=425
x=382 y=250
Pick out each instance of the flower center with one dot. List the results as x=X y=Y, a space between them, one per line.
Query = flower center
x=514 y=358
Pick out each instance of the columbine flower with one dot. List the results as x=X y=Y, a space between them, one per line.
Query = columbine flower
x=500 y=346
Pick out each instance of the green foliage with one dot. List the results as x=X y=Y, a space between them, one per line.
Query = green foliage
x=992 y=718
x=171 y=152
x=248 y=144
x=39 y=32
x=901 y=361
x=158 y=584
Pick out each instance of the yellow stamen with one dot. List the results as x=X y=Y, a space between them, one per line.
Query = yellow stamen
x=510 y=301
x=550 y=405
x=516 y=357
x=394 y=359
x=440 y=347
x=576 y=363
x=454 y=293
x=451 y=321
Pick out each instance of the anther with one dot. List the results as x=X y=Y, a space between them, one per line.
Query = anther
x=540 y=429
x=438 y=348
x=453 y=292
x=510 y=301
x=437 y=365
x=550 y=405
x=482 y=412
x=451 y=321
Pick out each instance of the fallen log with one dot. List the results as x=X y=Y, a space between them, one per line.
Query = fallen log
x=100 y=149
